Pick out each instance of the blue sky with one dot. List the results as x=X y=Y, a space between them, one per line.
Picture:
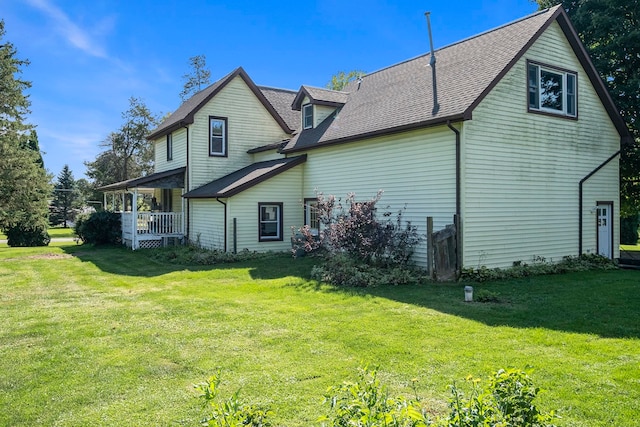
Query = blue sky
x=89 y=57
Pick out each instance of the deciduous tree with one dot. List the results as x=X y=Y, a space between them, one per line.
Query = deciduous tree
x=341 y=79
x=197 y=79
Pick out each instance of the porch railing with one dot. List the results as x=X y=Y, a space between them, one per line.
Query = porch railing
x=147 y=225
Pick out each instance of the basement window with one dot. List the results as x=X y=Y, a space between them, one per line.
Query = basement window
x=552 y=90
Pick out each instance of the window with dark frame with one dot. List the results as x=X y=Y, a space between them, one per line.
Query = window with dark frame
x=218 y=136
x=552 y=90
x=307 y=116
x=269 y=222
x=169 y=147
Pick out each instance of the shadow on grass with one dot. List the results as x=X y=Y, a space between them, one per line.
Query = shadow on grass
x=122 y=261
x=603 y=303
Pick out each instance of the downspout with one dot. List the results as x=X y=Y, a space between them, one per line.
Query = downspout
x=459 y=262
x=225 y=222
x=580 y=197
x=186 y=185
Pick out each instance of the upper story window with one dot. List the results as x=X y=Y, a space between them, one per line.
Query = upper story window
x=169 y=147
x=552 y=90
x=270 y=221
x=218 y=136
x=307 y=116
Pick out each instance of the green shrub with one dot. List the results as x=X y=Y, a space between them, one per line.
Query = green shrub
x=568 y=264
x=194 y=255
x=21 y=235
x=506 y=400
x=485 y=295
x=230 y=412
x=629 y=230
x=99 y=228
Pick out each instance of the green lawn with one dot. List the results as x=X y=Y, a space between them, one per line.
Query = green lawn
x=109 y=337
x=53 y=232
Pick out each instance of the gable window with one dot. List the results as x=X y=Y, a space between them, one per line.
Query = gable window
x=552 y=90
x=169 y=147
x=269 y=222
x=307 y=116
x=218 y=136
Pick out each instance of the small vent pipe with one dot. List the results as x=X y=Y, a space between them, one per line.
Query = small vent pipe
x=432 y=64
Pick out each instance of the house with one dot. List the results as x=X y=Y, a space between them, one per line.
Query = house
x=521 y=147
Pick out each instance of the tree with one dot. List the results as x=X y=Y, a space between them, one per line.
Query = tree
x=341 y=79
x=65 y=196
x=610 y=32
x=24 y=183
x=197 y=79
x=128 y=153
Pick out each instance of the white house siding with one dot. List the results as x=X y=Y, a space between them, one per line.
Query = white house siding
x=285 y=188
x=179 y=151
x=321 y=112
x=207 y=223
x=415 y=169
x=266 y=155
x=521 y=170
x=249 y=125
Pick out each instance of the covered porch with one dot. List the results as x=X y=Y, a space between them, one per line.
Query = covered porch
x=151 y=209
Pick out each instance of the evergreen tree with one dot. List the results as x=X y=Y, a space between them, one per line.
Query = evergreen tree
x=65 y=196
x=24 y=183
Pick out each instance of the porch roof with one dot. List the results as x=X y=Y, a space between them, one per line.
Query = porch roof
x=245 y=178
x=173 y=178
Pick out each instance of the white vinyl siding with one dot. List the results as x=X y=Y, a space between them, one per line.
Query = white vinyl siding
x=521 y=171
x=321 y=112
x=249 y=125
x=415 y=169
x=179 y=159
x=285 y=188
x=207 y=223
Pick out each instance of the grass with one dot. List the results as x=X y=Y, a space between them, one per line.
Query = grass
x=110 y=337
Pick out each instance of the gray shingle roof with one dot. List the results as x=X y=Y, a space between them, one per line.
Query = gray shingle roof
x=319 y=96
x=185 y=113
x=244 y=178
x=400 y=97
x=155 y=180
x=281 y=100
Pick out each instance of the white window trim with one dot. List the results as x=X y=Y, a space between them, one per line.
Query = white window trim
x=565 y=103
x=309 y=206
x=304 y=116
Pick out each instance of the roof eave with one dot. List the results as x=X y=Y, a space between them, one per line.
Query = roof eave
x=382 y=132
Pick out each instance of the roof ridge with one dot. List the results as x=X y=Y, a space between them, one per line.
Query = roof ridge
x=463 y=40
x=277 y=88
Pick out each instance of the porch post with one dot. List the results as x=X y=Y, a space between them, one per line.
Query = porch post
x=134 y=223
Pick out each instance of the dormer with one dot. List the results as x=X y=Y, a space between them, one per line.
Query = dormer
x=316 y=104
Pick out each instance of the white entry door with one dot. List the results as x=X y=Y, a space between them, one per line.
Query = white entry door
x=605 y=229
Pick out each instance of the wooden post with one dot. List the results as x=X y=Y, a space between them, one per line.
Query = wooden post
x=134 y=214
x=430 y=263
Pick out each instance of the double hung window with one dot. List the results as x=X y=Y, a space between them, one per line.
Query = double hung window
x=218 y=136
x=552 y=90
x=269 y=221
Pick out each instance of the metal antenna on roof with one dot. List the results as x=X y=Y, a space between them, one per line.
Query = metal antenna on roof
x=432 y=63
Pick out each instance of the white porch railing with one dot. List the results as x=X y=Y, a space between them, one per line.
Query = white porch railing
x=150 y=226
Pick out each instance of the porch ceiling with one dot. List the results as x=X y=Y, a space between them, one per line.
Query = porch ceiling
x=173 y=178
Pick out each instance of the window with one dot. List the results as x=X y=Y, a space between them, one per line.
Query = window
x=307 y=116
x=270 y=221
x=169 y=147
x=552 y=90
x=218 y=136
x=311 y=215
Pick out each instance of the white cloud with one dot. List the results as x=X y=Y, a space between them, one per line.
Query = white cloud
x=75 y=35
